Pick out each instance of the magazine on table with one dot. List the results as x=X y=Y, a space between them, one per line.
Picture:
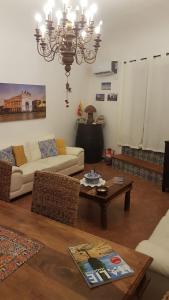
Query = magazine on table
x=99 y=263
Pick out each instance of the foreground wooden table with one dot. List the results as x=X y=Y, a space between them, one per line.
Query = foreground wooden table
x=52 y=274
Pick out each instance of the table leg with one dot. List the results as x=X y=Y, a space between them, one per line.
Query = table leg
x=127 y=201
x=103 y=211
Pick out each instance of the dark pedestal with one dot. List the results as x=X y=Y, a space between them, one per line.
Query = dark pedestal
x=165 y=183
x=90 y=137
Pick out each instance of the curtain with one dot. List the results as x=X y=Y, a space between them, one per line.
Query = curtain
x=133 y=104
x=156 y=121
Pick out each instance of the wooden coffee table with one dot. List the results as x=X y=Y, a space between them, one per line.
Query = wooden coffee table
x=114 y=190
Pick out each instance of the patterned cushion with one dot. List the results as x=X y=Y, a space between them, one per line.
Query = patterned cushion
x=7 y=154
x=48 y=148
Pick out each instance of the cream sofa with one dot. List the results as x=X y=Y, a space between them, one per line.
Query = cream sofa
x=157 y=246
x=16 y=181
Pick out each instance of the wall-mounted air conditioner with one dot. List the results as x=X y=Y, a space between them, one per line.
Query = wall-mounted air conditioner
x=105 y=68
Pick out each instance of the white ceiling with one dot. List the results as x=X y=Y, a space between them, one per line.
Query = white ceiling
x=126 y=14
x=117 y=15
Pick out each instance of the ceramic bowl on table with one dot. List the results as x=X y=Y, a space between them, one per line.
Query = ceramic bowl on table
x=92 y=177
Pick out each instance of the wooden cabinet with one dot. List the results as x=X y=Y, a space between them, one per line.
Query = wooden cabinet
x=90 y=137
x=165 y=183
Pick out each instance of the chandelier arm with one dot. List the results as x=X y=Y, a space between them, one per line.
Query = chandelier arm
x=48 y=60
x=88 y=58
x=41 y=52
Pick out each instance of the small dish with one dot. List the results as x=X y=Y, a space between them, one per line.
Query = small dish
x=102 y=190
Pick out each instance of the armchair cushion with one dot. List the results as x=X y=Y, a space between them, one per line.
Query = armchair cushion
x=160 y=255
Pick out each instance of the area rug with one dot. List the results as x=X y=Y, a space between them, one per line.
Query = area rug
x=15 y=250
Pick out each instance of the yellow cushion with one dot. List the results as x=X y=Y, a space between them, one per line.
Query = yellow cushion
x=60 y=146
x=19 y=154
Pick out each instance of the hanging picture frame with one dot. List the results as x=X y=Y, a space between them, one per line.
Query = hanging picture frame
x=100 y=97
x=112 y=97
x=22 y=102
x=106 y=86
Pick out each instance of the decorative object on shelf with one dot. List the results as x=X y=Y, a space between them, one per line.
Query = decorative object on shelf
x=22 y=102
x=108 y=155
x=112 y=97
x=100 y=97
x=100 y=120
x=106 y=86
x=71 y=38
x=80 y=114
x=80 y=110
x=90 y=110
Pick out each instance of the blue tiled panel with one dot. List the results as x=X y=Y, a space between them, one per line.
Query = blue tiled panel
x=151 y=156
x=129 y=168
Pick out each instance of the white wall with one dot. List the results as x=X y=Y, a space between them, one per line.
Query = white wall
x=20 y=63
x=125 y=43
x=130 y=37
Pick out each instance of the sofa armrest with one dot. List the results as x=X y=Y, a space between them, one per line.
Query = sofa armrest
x=159 y=254
x=5 y=180
x=74 y=150
x=16 y=169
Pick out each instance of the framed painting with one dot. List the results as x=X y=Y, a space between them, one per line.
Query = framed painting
x=100 y=97
x=22 y=102
x=106 y=85
x=112 y=97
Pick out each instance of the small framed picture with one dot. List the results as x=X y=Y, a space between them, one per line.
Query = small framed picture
x=100 y=97
x=112 y=97
x=106 y=86
x=114 y=66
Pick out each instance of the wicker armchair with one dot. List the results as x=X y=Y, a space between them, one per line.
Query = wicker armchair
x=56 y=196
x=5 y=180
x=166 y=296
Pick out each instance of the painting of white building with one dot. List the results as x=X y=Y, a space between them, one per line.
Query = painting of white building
x=22 y=101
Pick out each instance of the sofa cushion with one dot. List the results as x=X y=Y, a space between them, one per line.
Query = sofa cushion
x=33 y=151
x=54 y=163
x=60 y=146
x=48 y=148
x=74 y=150
x=19 y=154
x=7 y=155
x=29 y=168
x=59 y=162
x=49 y=136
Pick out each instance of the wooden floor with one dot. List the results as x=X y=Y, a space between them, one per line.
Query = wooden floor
x=148 y=205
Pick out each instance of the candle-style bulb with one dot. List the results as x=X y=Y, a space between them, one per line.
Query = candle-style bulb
x=38 y=19
x=43 y=30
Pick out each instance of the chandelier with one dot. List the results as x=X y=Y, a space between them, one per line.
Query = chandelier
x=68 y=34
